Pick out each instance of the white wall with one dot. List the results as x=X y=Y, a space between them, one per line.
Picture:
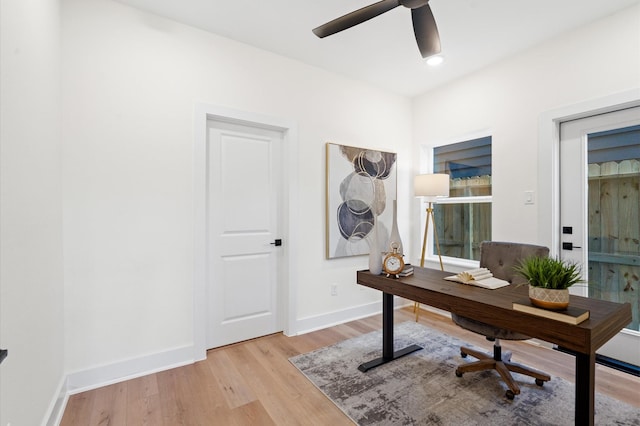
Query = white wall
x=508 y=99
x=130 y=83
x=31 y=282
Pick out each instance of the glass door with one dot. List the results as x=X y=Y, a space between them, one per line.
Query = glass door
x=600 y=219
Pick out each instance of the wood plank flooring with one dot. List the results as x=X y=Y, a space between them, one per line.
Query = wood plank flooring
x=253 y=383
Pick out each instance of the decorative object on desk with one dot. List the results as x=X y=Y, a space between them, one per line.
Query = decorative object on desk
x=549 y=280
x=571 y=315
x=375 y=253
x=393 y=263
x=417 y=389
x=549 y=298
x=395 y=233
x=361 y=183
x=479 y=277
x=430 y=187
x=406 y=271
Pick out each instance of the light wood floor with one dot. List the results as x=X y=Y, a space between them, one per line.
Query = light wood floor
x=253 y=383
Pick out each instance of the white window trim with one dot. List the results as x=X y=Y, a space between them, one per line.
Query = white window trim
x=466 y=200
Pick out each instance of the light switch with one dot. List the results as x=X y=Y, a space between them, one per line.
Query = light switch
x=528 y=197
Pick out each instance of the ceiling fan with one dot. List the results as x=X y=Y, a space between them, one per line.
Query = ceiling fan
x=424 y=25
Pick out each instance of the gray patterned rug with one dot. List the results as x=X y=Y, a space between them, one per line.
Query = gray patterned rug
x=422 y=389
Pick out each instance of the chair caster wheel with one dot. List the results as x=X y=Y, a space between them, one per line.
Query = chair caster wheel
x=509 y=394
x=463 y=355
x=458 y=374
x=539 y=382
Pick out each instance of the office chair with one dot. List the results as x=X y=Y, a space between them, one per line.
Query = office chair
x=500 y=258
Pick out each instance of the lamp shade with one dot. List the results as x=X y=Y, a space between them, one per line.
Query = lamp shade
x=431 y=185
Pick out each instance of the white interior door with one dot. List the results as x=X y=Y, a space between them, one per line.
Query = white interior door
x=242 y=227
x=600 y=214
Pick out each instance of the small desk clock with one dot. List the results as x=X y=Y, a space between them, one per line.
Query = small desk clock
x=393 y=262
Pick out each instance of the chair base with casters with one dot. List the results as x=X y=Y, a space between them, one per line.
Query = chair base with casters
x=500 y=258
x=501 y=362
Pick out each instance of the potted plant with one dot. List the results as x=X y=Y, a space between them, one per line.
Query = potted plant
x=549 y=280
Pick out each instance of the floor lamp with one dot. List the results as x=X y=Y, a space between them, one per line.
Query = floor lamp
x=430 y=187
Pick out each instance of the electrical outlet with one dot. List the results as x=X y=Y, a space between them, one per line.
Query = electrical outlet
x=334 y=289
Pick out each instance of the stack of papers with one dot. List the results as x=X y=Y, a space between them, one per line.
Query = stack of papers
x=480 y=277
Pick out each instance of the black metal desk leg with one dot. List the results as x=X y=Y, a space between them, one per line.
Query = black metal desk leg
x=387 y=338
x=585 y=388
x=387 y=326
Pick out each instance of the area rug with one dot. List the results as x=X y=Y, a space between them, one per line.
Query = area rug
x=422 y=389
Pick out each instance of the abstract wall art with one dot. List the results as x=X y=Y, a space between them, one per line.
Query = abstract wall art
x=361 y=187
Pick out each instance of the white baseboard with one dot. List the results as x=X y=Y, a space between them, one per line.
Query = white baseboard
x=435 y=310
x=318 y=322
x=105 y=375
x=93 y=378
x=56 y=409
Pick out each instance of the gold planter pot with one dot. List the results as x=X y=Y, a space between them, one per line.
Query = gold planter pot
x=546 y=298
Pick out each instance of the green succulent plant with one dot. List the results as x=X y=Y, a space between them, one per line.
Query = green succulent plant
x=549 y=272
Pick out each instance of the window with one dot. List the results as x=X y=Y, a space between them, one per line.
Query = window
x=463 y=220
x=613 y=226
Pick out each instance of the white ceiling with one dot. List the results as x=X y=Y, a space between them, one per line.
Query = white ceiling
x=383 y=51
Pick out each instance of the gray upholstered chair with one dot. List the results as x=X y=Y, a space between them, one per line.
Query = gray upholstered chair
x=500 y=258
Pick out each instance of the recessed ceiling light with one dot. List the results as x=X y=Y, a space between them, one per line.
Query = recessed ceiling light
x=435 y=60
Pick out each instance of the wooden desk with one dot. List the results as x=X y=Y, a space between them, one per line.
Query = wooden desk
x=494 y=307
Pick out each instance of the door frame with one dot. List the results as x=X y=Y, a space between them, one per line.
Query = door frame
x=288 y=273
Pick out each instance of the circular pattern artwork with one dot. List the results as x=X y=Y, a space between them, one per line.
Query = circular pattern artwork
x=363 y=193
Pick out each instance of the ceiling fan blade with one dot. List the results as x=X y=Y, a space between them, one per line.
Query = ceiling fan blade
x=354 y=18
x=426 y=31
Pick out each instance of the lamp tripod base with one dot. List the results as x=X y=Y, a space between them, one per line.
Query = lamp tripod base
x=416 y=305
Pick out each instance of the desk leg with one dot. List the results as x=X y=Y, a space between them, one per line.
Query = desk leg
x=585 y=388
x=388 y=353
